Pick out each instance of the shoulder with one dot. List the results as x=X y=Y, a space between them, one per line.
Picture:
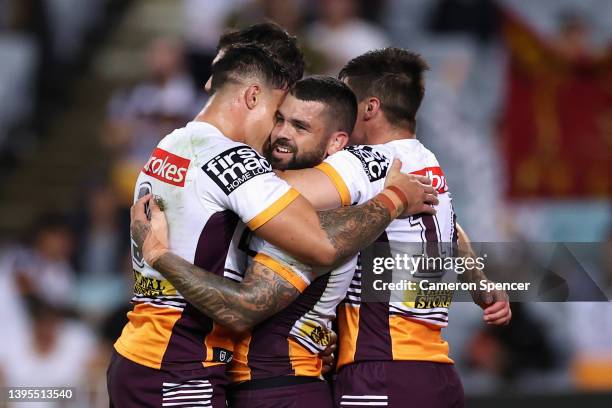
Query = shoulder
x=375 y=160
x=234 y=164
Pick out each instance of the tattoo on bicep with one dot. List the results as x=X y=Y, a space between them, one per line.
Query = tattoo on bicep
x=350 y=229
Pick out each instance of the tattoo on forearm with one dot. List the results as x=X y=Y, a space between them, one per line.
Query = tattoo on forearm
x=475 y=275
x=350 y=229
x=238 y=306
x=139 y=231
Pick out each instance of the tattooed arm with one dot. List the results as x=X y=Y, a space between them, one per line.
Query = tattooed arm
x=346 y=230
x=326 y=238
x=238 y=306
x=263 y=292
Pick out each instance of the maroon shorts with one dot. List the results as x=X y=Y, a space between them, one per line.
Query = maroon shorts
x=133 y=385
x=398 y=384
x=311 y=395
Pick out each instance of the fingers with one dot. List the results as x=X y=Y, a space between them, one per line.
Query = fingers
x=423 y=180
x=427 y=209
x=328 y=364
x=396 y=166
x=494 y=308
x=137 y=211
x=500 y=316
x=431 y=199
x=502 y=321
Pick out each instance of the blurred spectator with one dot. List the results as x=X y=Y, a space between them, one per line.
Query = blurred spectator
x=204 y=22
x=45 y=270
x=341 y=35
x=103 y=244
x=103 y=234
x=56 y=352
x=141 y=116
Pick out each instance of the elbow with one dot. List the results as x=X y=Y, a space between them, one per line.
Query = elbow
x=328 y=256
x=239 y=328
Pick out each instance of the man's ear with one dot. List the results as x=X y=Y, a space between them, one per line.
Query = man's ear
x=372 y=108
x=337 y=141
x=252 y=95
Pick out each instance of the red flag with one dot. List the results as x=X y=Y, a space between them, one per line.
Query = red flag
x=556 y=123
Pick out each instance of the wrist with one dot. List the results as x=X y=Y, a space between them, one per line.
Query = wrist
x=392 y=202
x=154 y=254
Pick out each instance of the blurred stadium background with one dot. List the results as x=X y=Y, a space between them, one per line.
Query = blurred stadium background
x=518 y=109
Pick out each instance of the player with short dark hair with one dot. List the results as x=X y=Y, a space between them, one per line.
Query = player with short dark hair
x=387 y=347
x=282 y=47
x=292 y=145
x=395 y=76
x=246 y=60
x=214 y=186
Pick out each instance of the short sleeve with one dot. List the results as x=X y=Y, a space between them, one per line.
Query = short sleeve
x=357 y=172
x=293 y=271
x=246 y=185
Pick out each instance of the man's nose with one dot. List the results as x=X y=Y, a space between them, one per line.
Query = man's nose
x=280 y=131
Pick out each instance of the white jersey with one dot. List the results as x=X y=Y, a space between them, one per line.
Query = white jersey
x=358 y=173
x=211 y=187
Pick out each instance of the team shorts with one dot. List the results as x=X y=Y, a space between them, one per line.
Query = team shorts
x=133 y=385
x=398 y=384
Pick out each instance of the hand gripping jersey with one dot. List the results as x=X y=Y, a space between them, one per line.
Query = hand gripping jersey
x=408 y=328
x=289 y=342
x=211 y=187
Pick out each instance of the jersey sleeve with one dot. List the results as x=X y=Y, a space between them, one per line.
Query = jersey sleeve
x=293 y=271
x=357 y=172
x=246 y=184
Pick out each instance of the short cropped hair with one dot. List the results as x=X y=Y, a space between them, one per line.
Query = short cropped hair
x=277 y=41
x=244 y=61
x=340 y=101
x=393 y=75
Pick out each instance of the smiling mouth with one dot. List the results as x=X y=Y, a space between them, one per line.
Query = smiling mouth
x=282 y=150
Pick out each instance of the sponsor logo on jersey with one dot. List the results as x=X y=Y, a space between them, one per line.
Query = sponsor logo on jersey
x=167 y=167
x=438 y=180
x=235 y=166
x=374 y=163
x=320 y=336
x=146 y=286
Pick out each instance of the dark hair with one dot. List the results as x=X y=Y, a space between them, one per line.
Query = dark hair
x=278 y=42
x=336 y=95
x=243 y=61
x=393 y=75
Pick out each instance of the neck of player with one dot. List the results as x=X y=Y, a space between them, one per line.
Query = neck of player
x=215 y=113
x=384 y=132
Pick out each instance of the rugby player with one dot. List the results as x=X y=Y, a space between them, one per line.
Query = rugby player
x=265 y=360
x=210 y=180
x=282 y=47
x=392 y=353
x=278 y=363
